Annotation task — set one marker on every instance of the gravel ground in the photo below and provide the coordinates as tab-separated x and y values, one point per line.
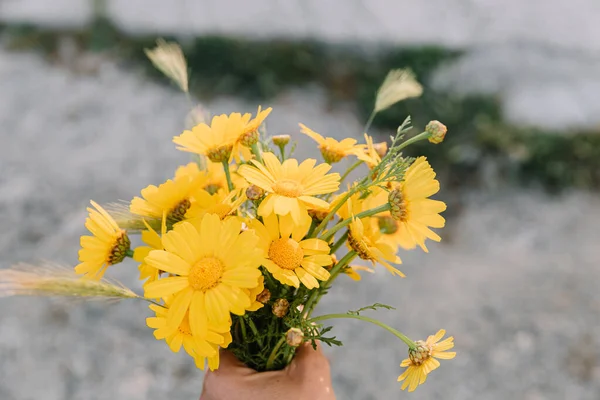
515	280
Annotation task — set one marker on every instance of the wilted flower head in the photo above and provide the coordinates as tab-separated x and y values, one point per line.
294	337
280	307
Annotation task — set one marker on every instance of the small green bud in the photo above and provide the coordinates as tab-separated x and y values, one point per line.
437	130
281	140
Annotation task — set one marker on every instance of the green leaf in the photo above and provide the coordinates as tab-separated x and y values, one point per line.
371	307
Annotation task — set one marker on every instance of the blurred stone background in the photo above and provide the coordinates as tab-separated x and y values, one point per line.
516	277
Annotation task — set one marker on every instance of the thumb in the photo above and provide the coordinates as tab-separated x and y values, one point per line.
310	360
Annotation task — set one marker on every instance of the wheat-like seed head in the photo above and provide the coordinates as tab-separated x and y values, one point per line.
168	58
50	280
399	84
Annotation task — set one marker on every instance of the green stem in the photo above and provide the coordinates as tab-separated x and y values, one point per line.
152	301
398	334
256	152
345	175
243	328
414	139
329	234
352	168
129	253
316	295
254	330
369	121
339	243
273	356
313	225
282	151
227	175
331	213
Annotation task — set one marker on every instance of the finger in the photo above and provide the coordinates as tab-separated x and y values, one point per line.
310	359
228	361
230	373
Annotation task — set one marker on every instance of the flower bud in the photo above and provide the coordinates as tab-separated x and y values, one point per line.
387	225
280	307
294	337
419	354
254	192
398	209
281	140
437	130
264	296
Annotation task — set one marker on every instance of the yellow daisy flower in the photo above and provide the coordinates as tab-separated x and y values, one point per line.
332	150
154	242
291	187
173	197
352	271
220	203
290	259
212	178
249	135
367	243
422	360
414	212
108	246
215	141
253	295
369	153
354	205
197	347
213	263
213	361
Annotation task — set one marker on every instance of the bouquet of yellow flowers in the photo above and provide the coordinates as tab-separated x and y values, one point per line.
240	245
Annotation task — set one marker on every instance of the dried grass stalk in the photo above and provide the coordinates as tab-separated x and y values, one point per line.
168	58
399	84
49	280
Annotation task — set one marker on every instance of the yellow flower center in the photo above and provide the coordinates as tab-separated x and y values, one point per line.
205	274
119	249
288	188
360	247
178	212
420	354
184	327
286	253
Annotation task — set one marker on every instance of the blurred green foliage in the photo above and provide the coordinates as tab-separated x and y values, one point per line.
477	134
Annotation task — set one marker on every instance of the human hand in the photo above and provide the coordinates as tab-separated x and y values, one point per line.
307	377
